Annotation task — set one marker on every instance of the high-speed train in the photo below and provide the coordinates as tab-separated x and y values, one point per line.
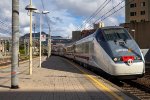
111	49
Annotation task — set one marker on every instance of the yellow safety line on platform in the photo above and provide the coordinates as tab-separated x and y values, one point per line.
98	83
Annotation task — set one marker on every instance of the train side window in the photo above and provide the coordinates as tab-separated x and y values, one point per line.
100	36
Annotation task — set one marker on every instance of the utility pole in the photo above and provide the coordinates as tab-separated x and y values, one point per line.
5	47
49	43
25	48
30	58
15	44
34	39
9	46
40	36
41	13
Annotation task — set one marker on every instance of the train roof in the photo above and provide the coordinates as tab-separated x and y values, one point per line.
108	27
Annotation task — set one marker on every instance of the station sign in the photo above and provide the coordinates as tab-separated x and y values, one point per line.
43	37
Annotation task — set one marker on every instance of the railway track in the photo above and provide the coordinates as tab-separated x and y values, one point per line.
140	91
139	88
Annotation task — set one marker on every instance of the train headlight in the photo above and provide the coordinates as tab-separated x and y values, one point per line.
138	58
115	59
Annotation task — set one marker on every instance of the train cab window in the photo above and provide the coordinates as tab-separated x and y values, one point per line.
116	34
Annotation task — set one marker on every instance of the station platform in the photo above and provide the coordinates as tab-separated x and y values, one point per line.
58	79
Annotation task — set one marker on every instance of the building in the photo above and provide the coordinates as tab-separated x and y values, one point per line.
35	37
24	42
59	40
137	17
5	45
76	35
137	10
98	25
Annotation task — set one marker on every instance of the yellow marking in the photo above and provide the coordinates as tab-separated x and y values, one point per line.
129	50
98	84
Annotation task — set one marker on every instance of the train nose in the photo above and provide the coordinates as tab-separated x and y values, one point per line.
128	59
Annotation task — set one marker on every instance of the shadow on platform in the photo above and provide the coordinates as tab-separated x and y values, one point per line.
3	86
51	95
59	63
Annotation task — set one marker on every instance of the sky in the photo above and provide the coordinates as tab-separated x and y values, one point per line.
65	15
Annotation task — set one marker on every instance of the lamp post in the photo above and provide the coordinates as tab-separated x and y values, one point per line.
49	43
30	8
42	12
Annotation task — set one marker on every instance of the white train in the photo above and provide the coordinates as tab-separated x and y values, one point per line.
111	49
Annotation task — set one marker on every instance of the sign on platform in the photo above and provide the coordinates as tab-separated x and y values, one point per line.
43	37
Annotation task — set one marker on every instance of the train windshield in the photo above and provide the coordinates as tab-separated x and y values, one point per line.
116	34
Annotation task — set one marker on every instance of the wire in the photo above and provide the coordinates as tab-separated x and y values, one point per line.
99	9
117	10
5	28
91	16
109	11
47	18
102	8
114	11
6	25
43	4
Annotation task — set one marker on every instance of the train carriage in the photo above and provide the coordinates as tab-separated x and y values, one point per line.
111	49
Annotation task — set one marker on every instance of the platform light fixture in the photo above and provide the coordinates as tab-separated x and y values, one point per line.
40	12
30	9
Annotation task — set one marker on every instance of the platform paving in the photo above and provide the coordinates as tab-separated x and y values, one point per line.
56	80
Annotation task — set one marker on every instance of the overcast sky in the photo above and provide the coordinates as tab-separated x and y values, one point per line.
65	15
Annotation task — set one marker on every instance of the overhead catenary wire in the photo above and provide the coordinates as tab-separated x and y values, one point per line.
43	4
47	18
110	10
117	10
103	18
100	8
4	24
4	28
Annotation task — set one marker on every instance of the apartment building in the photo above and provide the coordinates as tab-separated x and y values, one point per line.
137	10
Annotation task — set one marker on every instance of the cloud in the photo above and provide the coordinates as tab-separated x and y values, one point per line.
85	7
64	16
58	19
111	21
25	19
26	29
77	7
68	12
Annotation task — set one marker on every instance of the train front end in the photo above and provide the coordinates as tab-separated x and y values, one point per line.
127	61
